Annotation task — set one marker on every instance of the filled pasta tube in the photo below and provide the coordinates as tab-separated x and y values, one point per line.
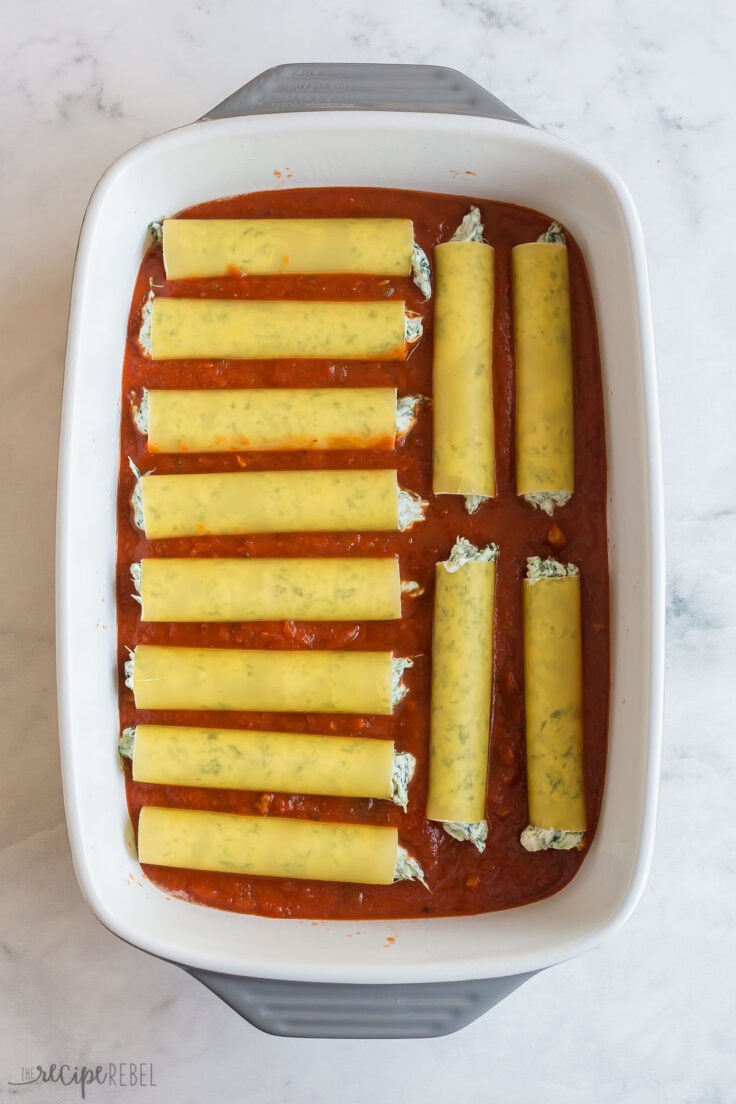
265	681
270	247
284	762
259	329
283	419
462	671
269	589
275	847
222	503
464	452
554	706
545	432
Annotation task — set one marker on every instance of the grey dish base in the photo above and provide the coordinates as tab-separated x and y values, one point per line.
326	1011
304	1010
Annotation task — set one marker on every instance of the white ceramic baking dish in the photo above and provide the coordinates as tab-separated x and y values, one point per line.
425	148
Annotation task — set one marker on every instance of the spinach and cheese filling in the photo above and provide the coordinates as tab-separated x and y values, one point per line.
553	692
462	665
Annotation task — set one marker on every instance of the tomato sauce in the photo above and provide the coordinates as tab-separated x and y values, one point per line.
461	880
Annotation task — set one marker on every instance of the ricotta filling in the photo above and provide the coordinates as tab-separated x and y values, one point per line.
553	235
464	551
413	328
546	839
401	776
407	410
475	833
411	509
156	230
144	335
473	503
538	569
137	497
140	417
470	229
126	745
398	689
411	588
407	868
136	575
547	500
129	669
420	273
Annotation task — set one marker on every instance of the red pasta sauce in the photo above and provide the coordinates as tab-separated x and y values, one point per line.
461	880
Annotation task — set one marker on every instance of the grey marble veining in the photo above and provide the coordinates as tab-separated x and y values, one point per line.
647	1018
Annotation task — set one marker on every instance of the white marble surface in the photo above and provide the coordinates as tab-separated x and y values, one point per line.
650	87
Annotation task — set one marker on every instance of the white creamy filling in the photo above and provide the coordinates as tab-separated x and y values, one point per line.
398	690
401	776
411	509
129	669
537	569
475	833
141	415
420	271
473	503
136	574
413	328
156	230
144	335
407	408
547	500
407	868
412	588
464	551
553	235
126	745
545	839
470	229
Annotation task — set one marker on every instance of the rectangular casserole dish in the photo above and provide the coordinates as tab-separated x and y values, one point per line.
428	150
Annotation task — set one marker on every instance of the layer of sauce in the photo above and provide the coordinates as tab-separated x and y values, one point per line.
461	880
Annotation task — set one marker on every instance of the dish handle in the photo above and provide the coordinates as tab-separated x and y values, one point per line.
305	1010
360	86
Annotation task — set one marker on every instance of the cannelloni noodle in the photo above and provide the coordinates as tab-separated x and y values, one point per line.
263	681
272	419
553	683
463	460
269	589
256	329
462	665
545	436
219	503
220	247
285	762
273	847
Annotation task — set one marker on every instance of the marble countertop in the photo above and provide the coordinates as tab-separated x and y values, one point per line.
645	1018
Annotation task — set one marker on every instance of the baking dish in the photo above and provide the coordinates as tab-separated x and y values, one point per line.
389	126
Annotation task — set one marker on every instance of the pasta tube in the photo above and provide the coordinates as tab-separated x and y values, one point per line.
273	847
545	433
464	460
265	247
285	762
554	706
265	589
462	666
258	329
283	419
223	503
265	681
